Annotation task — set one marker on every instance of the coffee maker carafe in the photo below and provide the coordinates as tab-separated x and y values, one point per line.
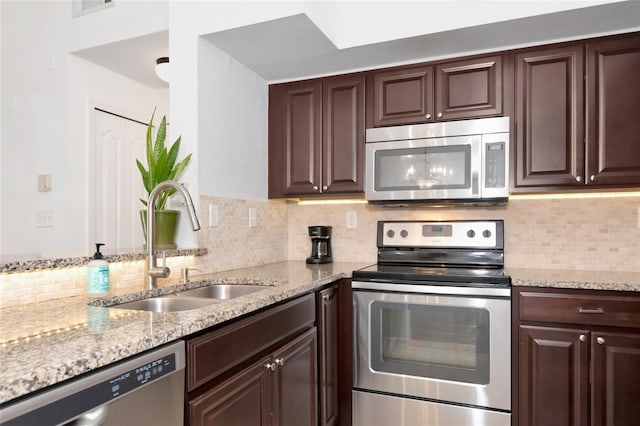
320	244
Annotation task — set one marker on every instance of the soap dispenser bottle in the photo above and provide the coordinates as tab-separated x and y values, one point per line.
98	274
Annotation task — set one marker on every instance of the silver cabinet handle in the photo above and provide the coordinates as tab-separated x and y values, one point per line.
593	178
583	337
325	187
279	361
600	340
325	296
315	187
427	116
439	115
270	366
590	310
578	178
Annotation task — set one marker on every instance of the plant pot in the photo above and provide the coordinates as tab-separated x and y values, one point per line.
165	228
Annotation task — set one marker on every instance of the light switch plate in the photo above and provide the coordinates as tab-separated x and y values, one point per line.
214	215
252	217
44	218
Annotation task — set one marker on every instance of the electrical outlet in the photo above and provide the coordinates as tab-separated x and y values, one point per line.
352	219
213	214
252	217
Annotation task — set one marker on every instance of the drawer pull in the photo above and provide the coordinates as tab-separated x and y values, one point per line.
600	341
583	337
590	310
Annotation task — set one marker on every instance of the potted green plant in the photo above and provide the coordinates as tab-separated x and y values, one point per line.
162	165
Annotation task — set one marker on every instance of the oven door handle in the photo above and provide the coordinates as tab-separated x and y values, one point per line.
355	333
466	290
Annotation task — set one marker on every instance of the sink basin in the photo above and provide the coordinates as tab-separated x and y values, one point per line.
222	291
165	304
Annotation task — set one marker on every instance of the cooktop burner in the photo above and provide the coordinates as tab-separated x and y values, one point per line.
462	253
434	274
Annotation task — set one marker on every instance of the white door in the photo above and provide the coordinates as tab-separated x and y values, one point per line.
117	184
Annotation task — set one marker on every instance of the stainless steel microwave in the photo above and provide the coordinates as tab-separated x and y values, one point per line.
448	162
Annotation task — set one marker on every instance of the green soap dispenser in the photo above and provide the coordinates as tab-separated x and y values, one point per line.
98	274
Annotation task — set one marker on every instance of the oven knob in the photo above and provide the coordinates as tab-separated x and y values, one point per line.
471	233
390	233
404	233
486	233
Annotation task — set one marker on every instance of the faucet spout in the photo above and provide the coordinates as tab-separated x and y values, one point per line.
155	271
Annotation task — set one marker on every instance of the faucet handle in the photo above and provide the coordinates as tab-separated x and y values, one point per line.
185	274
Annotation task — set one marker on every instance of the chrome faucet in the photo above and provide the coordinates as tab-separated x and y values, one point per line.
154	270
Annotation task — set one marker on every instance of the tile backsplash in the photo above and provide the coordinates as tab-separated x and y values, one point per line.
576	234
598	234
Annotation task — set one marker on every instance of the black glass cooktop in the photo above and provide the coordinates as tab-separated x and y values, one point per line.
466	276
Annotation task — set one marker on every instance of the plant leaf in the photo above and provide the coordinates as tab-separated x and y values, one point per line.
177	171
160	138
173	154
149	147
145	176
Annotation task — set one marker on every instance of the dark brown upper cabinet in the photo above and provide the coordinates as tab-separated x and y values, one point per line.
316	137
549	117
407	95
577	115
401	96
613	111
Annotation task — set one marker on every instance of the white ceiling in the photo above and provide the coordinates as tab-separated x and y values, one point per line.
294	48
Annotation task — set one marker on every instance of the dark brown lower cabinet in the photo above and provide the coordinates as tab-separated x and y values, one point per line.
578	357
327	312
294	390
616	376
242	400
257	371
554	375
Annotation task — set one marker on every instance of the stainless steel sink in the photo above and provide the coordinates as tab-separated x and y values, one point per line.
166	304
222	291
191	299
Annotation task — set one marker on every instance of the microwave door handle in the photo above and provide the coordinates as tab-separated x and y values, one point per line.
475	184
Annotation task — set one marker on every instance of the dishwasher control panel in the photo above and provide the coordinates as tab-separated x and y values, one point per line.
140	376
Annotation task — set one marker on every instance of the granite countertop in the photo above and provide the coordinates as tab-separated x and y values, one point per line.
46	343
585	280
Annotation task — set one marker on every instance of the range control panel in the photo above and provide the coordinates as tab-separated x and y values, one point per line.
463	234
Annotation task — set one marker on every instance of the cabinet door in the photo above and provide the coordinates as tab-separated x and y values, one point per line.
295	382
401	96
549	118
469	89
553	377
327	309
343	134
302	137
613	111
243	400
616	380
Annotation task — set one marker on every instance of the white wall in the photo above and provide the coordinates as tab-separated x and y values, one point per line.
357	23
48	132
232	141
125	19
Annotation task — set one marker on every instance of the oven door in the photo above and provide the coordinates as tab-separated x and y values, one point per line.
423	169
450	344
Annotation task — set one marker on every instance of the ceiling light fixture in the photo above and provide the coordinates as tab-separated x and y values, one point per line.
163	68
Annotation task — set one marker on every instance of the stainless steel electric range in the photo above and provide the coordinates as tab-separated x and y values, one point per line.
432	327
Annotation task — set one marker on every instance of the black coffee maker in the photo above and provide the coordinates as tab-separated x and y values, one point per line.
320	244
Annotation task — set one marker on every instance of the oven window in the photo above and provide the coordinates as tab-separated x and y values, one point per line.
441	342
438	167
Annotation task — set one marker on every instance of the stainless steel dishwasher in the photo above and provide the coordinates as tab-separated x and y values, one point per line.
147	389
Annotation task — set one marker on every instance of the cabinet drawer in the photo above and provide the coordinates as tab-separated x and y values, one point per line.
605	310
213	353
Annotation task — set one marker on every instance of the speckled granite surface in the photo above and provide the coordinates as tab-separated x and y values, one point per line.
64	262
594	280
46	343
